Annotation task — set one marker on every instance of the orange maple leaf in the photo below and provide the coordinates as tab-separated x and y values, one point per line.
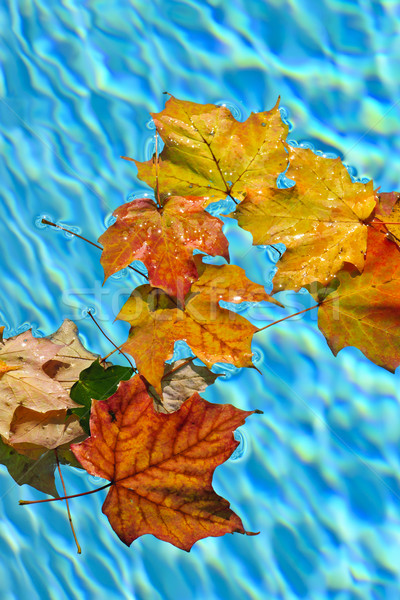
164	239
215	334
364	311
161	466
209	153
321	220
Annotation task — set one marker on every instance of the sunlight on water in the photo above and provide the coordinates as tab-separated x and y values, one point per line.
317	473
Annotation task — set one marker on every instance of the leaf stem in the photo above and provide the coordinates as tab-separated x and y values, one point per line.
110	340
79	550
46	222
103	487
290	316
189	360
108	355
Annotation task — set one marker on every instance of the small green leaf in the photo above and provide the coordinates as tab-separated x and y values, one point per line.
96	383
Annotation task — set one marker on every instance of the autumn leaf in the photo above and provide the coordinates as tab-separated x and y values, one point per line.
208	153
385	202
229	283
31	432
321	220
161	466
364	310
23	381
96	383
213	333
181	380
71	358
388	211
37	472
164	239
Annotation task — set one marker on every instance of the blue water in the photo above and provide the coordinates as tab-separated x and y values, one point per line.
318	472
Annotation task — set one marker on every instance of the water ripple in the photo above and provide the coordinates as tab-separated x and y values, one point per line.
77	84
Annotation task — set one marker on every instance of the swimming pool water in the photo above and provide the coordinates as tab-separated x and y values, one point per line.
318	472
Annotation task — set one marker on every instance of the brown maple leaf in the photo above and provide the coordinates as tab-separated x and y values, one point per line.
161	466
31	432
23	383
213	333
208	153
72	357
321	220
364	310
181	380
164	240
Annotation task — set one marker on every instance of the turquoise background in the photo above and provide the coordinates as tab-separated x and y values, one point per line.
318	472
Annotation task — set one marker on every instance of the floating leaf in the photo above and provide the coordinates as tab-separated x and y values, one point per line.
161	466
31	432
181	380
164	239
96	383
320	220
208	153
23	381
388	210
364	311
214	334
71	358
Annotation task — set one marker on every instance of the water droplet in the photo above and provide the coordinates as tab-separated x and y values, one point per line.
109	220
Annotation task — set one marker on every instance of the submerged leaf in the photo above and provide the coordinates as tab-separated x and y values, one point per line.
320	220
38	472
161	466
208	153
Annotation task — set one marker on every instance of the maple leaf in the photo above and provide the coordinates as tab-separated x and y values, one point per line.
320	220
38	472
23	381
161	466
208	153
31	432
163	239
213	333
388	210
385	202
71	358
96	383
181	380
363	311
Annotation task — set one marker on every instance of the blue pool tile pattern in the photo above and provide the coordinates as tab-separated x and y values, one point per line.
318	473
